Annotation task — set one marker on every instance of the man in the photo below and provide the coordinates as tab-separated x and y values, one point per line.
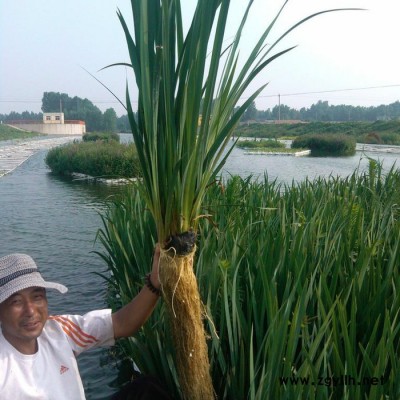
37	351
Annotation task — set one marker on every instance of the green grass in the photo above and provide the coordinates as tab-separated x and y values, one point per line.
266	146
8	133
97	159
298	281
100	136
260	144
274	150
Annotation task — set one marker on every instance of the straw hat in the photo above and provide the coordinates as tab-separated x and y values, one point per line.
18	272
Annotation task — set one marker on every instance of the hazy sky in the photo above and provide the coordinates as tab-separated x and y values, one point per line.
45	44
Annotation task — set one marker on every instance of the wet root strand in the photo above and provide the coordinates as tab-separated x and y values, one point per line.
182	298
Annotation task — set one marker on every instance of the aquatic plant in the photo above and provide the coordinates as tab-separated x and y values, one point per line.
326	144
98	159
189	84
301	282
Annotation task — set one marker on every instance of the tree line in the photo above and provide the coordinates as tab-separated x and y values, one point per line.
76	108
323	111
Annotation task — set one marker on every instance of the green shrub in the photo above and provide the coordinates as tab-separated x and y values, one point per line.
100	136
298	281
327	144
97	159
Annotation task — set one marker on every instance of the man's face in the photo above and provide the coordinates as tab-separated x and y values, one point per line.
22	318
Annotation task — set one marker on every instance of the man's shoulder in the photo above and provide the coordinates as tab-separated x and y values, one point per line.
53	328
62	324
55	321
82	331
72	321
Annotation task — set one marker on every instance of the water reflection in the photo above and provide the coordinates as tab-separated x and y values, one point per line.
97	192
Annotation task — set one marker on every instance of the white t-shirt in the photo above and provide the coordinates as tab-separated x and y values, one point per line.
52	373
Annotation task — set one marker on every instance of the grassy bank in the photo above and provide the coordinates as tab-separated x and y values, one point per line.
379	132
8	133
299	282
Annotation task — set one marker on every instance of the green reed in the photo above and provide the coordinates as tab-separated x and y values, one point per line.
298	281
107	159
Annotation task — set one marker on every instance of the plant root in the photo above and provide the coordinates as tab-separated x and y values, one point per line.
182	298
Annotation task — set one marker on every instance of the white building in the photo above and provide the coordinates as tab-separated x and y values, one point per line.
53	118
53	124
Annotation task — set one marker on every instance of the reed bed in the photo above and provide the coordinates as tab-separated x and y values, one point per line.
300	284
100	159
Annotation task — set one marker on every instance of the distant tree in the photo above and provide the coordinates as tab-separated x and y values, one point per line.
110	120
123	124
284	112
394	110
74	108
250	113
264	115
14	116
321	111
54	101
94	120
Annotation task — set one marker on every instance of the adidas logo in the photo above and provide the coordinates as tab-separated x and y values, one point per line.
63	369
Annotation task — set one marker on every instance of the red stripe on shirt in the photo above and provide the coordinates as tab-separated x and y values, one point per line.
74	331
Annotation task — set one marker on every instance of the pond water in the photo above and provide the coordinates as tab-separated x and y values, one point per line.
286	168
56	220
